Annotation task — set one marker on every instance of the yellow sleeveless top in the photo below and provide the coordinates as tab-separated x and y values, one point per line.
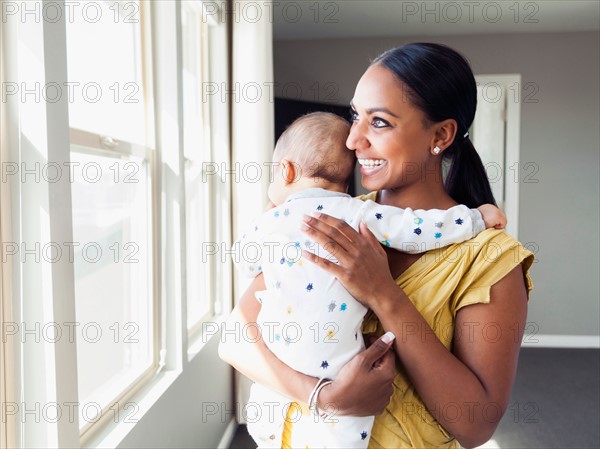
439	284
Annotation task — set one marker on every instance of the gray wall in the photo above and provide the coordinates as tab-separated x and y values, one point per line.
194	411
559	214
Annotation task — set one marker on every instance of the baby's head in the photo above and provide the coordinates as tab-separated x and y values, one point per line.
312	152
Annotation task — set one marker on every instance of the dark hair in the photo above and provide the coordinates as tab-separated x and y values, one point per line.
440	82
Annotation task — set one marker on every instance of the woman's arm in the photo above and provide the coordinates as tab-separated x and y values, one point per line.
242	347
478	375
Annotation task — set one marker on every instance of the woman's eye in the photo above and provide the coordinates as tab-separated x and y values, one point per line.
353	115
379	123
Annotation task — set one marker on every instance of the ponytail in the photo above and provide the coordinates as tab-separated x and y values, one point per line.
467	182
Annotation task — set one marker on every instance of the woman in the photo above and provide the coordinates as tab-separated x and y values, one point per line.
458	313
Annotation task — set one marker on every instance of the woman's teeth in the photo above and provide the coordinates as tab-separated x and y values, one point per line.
371	163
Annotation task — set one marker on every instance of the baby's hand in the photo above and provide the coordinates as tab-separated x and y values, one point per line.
492	216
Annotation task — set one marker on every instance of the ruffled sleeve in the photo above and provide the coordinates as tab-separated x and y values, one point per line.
490	257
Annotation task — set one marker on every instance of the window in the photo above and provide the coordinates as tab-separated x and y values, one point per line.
8	344
113	166
93	288
3	390
7	349
205	152
196	151
106	72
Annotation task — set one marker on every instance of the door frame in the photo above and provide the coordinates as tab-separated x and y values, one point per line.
512	146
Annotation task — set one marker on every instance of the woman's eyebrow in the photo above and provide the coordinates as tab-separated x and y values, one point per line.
376	109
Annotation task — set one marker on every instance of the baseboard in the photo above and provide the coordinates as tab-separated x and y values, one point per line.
228	435
561	341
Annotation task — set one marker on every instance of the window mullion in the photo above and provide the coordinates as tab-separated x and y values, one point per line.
170	167
9	232
47	281
61	230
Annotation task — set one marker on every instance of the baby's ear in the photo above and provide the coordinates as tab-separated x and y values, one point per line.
290	171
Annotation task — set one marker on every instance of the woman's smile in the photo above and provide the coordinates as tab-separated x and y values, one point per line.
371	166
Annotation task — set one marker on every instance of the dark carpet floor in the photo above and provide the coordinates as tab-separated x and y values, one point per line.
555	403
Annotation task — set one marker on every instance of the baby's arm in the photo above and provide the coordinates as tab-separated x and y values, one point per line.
421	230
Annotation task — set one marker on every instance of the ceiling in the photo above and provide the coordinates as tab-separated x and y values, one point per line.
323	19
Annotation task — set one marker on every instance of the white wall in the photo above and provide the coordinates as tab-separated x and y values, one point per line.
559	213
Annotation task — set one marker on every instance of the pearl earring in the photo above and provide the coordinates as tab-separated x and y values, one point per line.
436	150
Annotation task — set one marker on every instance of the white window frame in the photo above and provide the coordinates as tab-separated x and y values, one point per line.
21	283
37	212
6	359
195	329
90	143
221	289
93	143
8	386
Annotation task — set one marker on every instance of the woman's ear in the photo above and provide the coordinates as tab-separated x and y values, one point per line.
288	171
444	134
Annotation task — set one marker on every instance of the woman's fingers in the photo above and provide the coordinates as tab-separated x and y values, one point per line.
332	267
375	381
371	239
379	348
358	256
334	227
331	233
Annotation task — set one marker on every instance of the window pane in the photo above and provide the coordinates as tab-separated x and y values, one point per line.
193	102
198	287
196	148
113	284
106	92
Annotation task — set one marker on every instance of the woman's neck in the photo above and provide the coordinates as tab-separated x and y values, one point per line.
417	196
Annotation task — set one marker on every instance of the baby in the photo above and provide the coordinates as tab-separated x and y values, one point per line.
307	318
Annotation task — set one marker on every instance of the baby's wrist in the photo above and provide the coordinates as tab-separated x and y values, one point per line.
478	220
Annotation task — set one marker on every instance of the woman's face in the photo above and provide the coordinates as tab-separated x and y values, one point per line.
388	133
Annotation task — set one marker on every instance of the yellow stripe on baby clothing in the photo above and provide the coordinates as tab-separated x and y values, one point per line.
295	409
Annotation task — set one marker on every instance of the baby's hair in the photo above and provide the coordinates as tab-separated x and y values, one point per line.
316	143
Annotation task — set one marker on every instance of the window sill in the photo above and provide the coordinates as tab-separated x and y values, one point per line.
112	435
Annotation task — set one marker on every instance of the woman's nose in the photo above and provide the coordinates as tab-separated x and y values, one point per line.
356	139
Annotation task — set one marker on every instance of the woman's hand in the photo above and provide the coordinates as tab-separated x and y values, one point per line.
363	386
362	263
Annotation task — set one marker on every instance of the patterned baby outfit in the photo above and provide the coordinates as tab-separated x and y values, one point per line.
307	318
